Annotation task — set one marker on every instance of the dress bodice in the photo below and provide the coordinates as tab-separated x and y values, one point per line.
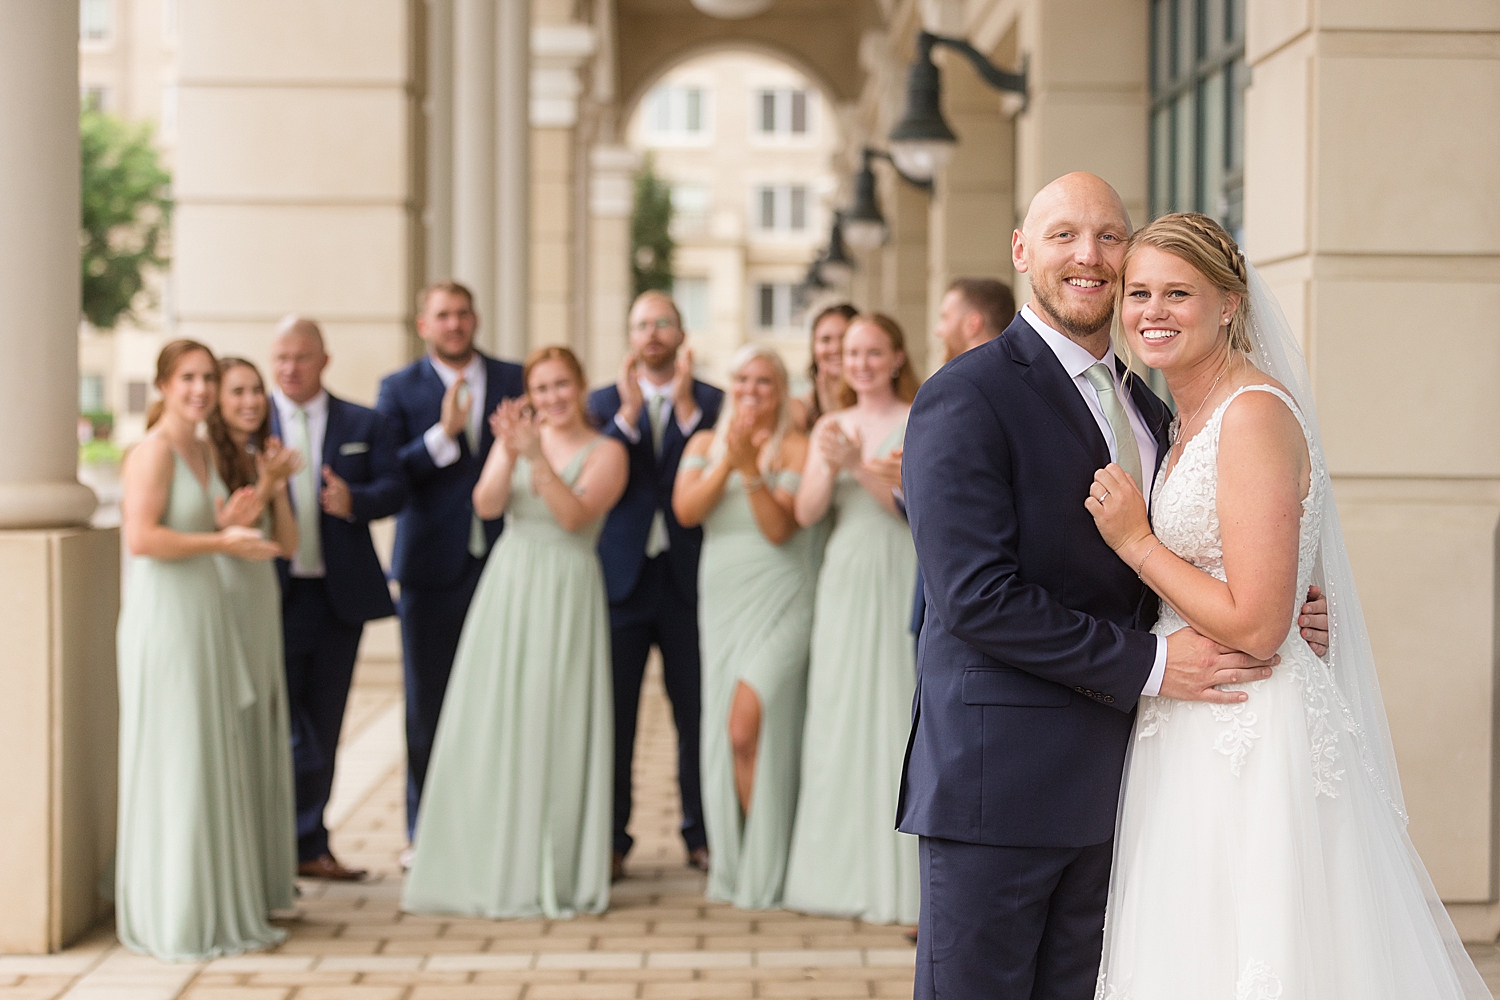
189	507
528	512
1185	512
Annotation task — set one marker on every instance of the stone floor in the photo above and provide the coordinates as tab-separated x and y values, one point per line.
660	939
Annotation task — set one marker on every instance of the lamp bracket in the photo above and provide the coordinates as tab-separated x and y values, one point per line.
881	154
996	77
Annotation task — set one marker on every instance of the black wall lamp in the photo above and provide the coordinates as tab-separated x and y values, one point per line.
864	224
835	265
922	143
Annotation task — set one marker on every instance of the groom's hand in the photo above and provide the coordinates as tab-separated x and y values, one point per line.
1196	665
1313	618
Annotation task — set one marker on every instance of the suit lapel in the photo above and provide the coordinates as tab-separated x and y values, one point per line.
494	392
1047	376
332	433
1153	411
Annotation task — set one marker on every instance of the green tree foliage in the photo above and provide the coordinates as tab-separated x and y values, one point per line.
127	207
650	232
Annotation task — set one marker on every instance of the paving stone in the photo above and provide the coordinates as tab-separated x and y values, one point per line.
237	993
808	958
813	988
351	993
697	991
581	991
591	960
472	991
471	962
699	959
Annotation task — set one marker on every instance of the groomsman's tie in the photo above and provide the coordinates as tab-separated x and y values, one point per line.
305	494
1127	452
476	526
656	412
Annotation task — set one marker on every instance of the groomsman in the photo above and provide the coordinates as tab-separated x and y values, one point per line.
651	561
334	583
438	409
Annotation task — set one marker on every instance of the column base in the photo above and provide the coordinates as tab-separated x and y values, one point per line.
45	505
60	591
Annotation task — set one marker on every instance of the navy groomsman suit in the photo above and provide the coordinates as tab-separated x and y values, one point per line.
653	598
440	547
325	605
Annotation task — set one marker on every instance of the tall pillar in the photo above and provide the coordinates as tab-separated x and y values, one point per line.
474	153
438	136
512	321
904	280
1372	199
59	581
611	198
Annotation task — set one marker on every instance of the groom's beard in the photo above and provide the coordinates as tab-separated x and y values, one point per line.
1078	323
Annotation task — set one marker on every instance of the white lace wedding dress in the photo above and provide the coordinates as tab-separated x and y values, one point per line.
1256	857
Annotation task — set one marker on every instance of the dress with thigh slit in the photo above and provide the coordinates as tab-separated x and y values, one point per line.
755	611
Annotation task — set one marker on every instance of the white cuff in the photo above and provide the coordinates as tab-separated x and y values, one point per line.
688	426
632	434
1158	672
442	449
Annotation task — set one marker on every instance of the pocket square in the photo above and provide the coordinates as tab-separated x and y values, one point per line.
354	448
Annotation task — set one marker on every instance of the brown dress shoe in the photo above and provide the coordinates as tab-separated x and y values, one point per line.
698	858
326	868
616	867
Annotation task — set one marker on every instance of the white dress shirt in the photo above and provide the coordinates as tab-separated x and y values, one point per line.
317	429
442	449
649	393
1075	361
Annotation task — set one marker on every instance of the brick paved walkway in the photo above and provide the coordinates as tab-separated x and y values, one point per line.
661	939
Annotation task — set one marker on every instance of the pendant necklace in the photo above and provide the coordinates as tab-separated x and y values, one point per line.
1179	444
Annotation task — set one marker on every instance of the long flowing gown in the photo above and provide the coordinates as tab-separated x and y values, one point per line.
254	596
846	857
755	615
189	881
515	816
1255	858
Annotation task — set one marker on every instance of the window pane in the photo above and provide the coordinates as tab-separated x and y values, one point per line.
767	208
1161	42
90	393
94	17
1187	36
768	111
1211	151
1234	157
695	110
1185	128
691	297
1215	33
766	317
799	111
661	111
1161	162
690	199
799	207
1234	21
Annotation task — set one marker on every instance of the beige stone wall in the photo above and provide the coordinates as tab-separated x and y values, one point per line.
1372	208
294	181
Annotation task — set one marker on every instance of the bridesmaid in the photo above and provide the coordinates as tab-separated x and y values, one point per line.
740	481
828	328
515	817
846	858
189	883
246	455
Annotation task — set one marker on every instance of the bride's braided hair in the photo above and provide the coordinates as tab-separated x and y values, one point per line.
1200	241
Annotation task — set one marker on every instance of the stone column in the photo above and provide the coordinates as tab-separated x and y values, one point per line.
904	281
474	152
1372	198
611	197
59	582
511	325
438	139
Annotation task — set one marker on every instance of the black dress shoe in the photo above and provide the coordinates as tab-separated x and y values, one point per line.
698	858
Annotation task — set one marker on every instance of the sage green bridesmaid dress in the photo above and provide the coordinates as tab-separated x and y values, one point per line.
254	597
847	859
755	616
189	882
515	818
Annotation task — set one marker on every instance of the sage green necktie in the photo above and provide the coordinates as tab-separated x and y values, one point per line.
1127	452
305	495
657	540
478	544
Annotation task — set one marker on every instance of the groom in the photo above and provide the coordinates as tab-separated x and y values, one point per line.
1033	653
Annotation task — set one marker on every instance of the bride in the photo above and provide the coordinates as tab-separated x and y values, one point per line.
1261	849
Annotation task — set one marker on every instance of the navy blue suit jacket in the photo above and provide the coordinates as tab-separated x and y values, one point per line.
432	533
622	545
1031	658
360	450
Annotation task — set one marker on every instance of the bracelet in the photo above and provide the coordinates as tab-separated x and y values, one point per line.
1141	568
751	485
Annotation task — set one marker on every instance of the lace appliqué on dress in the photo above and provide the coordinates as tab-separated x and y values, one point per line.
1257	983
1104	991
1235	742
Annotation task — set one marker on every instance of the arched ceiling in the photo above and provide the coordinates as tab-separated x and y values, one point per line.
820	37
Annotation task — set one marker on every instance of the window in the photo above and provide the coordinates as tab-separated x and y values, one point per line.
135	397
678	113
96	20
780	208
691	296
96	96
776	307
1198	80
783	112
691	199
90	394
